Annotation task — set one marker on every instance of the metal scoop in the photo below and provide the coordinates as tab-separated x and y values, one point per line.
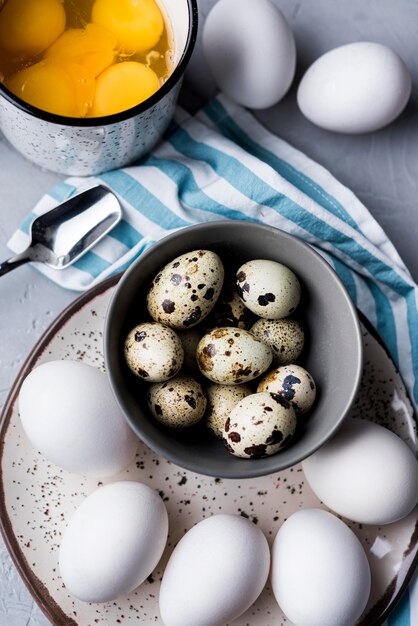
62	235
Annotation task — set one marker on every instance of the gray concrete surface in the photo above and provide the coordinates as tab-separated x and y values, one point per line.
381	168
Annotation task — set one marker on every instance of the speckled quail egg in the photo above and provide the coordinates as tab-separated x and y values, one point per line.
260	425
189	340
231	356
153	352
269	289
230	309
293	383
285	337
178	403
221	400
185	290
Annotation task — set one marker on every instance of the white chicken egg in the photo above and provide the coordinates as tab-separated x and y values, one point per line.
153	352
366	473
69	414
113	541
356	88
231	356
185	290
259	425
320	574
215	573
294	384
250	50
269	289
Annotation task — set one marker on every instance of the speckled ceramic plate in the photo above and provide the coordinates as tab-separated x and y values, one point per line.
37	498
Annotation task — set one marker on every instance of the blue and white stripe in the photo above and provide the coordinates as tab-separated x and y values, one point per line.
222	164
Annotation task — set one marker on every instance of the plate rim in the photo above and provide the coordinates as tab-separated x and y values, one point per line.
36	588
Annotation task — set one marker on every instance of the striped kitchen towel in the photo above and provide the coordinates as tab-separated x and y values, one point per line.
222	164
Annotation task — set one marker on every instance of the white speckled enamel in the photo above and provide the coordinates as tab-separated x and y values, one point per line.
39	498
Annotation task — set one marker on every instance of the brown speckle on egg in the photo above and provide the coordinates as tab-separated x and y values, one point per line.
176	279
193	318
209	294
239	371
264	300
168	306
190	401
219	333
209	350
275	437
279	399
255	452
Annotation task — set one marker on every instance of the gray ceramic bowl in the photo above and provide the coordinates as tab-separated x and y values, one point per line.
333	351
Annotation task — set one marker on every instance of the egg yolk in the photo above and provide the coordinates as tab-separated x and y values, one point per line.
92	47
30	26
123	86
137	24
51	87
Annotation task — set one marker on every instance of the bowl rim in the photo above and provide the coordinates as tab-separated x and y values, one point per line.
142	107
259	468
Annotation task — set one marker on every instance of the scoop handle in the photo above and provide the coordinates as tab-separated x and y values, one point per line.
15	261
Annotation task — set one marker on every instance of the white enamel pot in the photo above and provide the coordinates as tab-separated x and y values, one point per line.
86	146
